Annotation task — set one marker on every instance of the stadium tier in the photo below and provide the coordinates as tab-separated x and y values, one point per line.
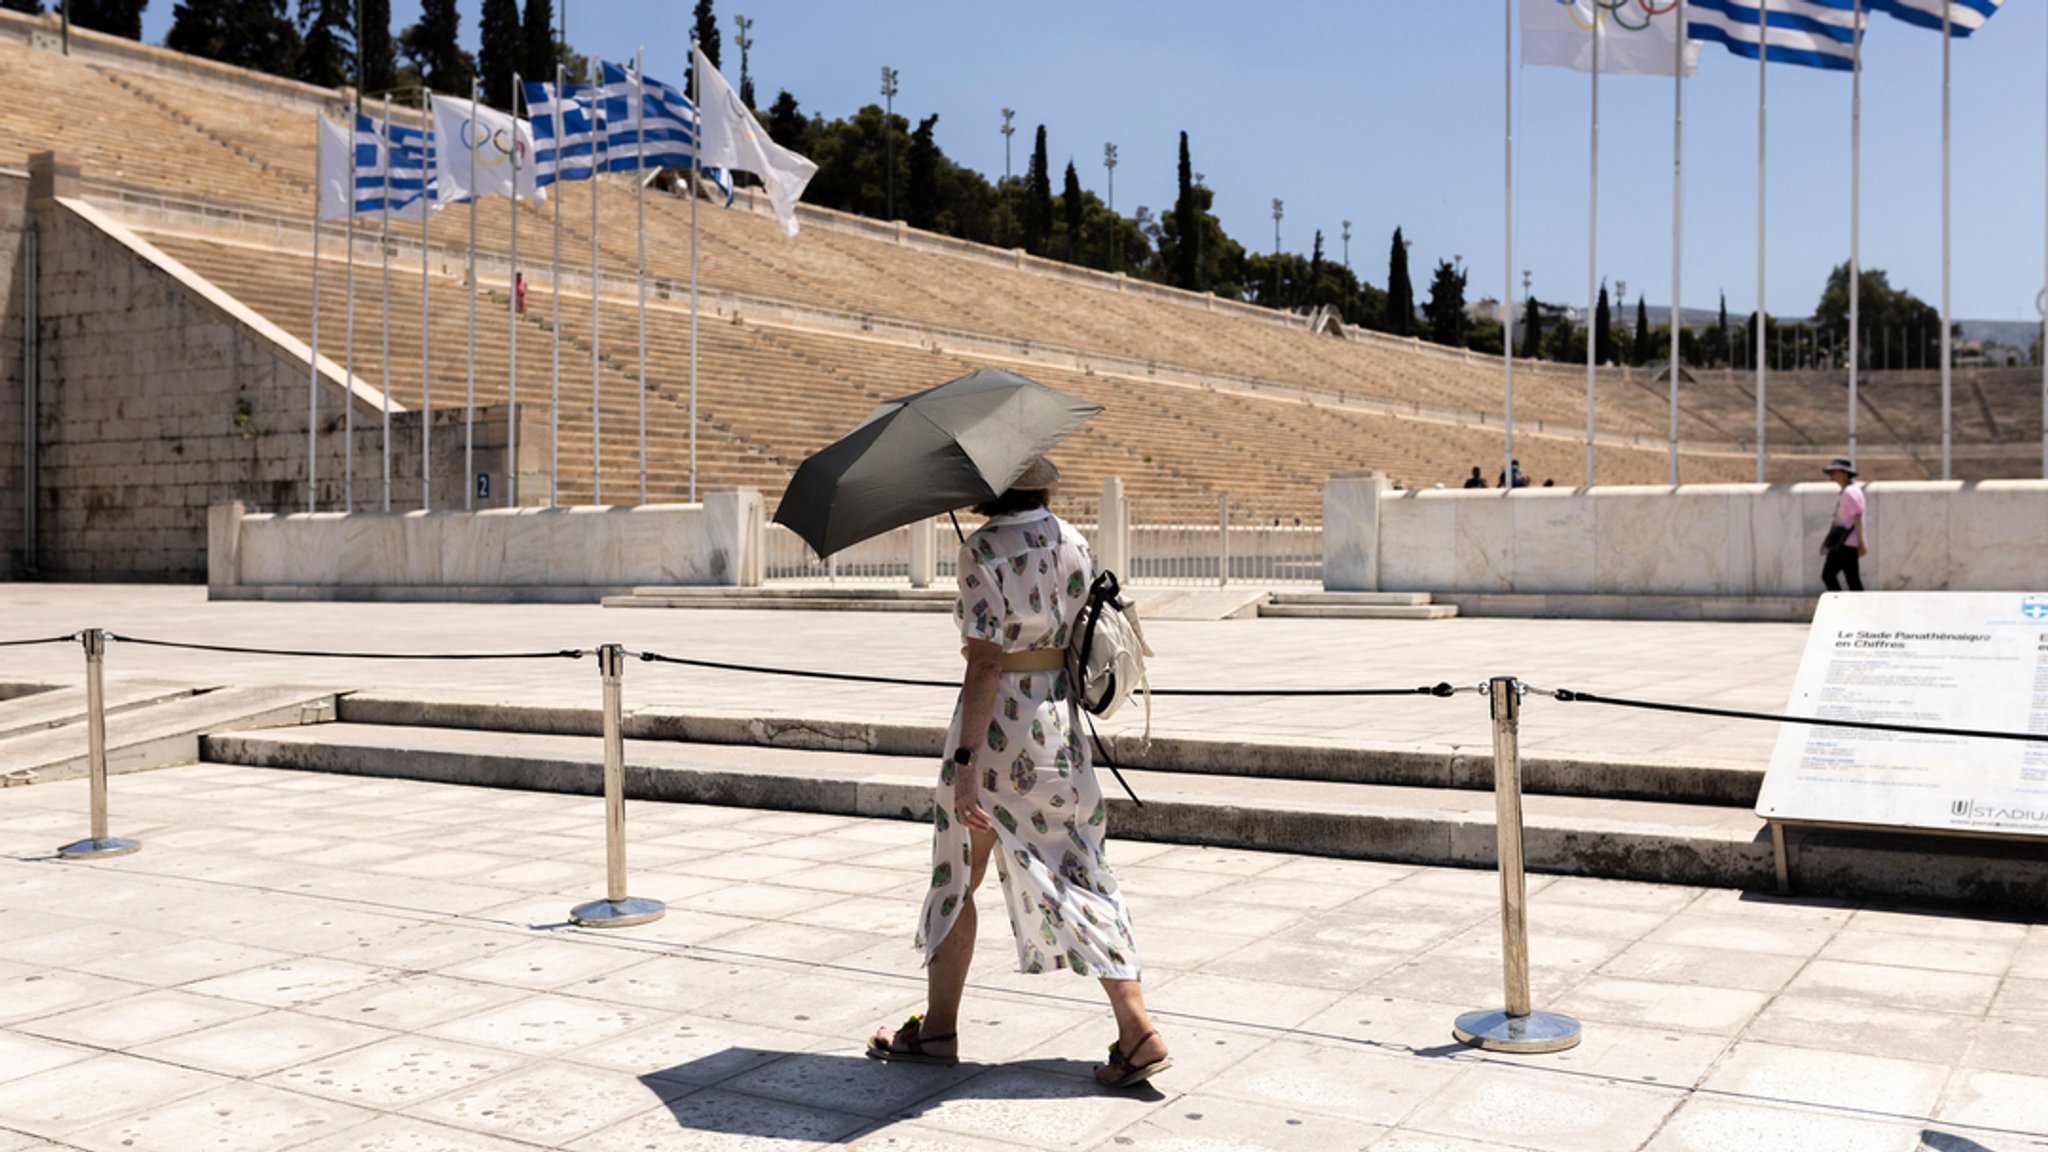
800	338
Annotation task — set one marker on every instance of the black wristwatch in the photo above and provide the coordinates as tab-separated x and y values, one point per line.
963	756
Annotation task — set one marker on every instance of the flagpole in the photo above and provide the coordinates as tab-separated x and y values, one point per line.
2041	306
1507	199
348	403
426	316
384	150
1763	51
1855	211
555	291
696	140
512	327
596	318
1592	254
313	370
1677	217
469	391
1947	391
640	206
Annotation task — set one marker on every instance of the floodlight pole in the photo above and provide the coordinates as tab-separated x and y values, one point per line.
889	89
1009	130
1109	162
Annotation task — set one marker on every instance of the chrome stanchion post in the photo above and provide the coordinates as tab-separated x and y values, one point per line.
99	843
616	910
1518	1028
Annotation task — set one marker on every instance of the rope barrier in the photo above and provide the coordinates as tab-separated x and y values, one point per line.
42	640
1568	696
237	650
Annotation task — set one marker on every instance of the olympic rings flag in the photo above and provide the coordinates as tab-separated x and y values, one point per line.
1635	35
503	147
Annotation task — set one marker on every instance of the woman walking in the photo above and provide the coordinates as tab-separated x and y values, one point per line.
1018	788
1844	546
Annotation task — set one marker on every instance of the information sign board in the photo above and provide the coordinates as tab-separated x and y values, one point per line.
1975	660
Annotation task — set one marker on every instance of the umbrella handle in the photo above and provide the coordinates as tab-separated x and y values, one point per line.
956	527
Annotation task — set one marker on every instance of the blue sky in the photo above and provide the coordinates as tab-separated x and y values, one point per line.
1390	113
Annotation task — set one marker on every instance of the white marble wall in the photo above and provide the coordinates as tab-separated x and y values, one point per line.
562	550
1724	540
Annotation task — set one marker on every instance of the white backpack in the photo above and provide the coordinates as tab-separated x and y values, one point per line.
1106	654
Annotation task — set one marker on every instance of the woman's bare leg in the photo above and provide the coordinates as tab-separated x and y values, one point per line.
945	977
1135	1036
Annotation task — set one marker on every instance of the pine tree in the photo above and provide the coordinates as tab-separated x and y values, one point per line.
1603	330
1038	199
1644	350
434	46
373	43
537	42
1532	330
1186	259
114	17
501	45
1400	292
1070	200
328	57
32	7
786	123
257	34
1446	308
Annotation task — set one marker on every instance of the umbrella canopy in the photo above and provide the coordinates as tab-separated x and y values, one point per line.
947	447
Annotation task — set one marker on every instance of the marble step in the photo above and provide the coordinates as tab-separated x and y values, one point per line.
163	733
1320	611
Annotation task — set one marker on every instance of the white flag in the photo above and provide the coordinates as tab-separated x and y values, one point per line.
1633	38
332	159
734	140
502	146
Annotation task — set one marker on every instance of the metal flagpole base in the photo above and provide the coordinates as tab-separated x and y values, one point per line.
617	913
1496	1031
92	849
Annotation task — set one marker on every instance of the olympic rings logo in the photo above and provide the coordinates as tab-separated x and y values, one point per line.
1623	12
495	146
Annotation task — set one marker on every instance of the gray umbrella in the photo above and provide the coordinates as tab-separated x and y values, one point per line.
947	447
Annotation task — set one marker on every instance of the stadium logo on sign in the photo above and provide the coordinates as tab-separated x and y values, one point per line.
2035	607
1998	815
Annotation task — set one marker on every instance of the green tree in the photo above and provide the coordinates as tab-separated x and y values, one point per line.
704	27
1882	313
32	7
923	207
1074	209
539	49
1187	251
1532	329
1645	351
1446	308
433	47
1566	342
1400	292
379	65
114	17
1038	199
786	123
256	34
328	55
501	46
1312	291
1603	329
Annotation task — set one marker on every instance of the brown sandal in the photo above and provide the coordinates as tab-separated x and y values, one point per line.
912	1043
1131	1075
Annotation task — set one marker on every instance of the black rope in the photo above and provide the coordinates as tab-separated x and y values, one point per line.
558	654
1568	696
44	640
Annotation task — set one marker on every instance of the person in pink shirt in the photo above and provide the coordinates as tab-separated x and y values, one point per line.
1844	546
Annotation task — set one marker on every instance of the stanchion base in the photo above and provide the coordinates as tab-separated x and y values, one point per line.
1496	1031
617	913
93	849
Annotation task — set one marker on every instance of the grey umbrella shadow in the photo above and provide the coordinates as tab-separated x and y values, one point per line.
838	1097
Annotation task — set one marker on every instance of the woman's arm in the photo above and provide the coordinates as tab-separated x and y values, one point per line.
978	689
1862	539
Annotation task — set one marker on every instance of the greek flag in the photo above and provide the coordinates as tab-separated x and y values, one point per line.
391	169
1810	33
669	122
1965	16
567	156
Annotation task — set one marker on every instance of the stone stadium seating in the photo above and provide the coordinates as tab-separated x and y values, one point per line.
1201	398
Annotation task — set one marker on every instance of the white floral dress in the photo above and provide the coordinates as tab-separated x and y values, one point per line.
1023	581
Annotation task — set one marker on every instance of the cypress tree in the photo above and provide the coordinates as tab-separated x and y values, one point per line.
704	26
1643	348
501	45
1038	199
32	7
1400	292
1532	330
373	41
1315	271
1186	251
257	34
1603	330
114	17
328	57
923	208
1070	200
537	35
434	46
1724	326
786	123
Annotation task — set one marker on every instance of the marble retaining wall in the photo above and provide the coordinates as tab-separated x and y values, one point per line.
523	554
1701	541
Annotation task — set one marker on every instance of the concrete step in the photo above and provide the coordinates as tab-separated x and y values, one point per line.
1360	611
805	597
1619	839
66	705
159	734
1390	599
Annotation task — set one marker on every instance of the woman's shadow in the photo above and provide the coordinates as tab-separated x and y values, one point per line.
742	1091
